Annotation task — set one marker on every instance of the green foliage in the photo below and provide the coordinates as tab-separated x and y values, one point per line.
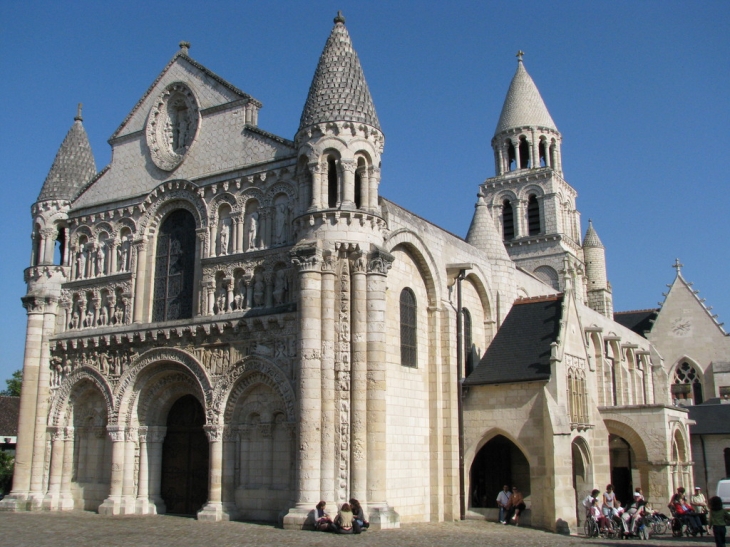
14	383
7	463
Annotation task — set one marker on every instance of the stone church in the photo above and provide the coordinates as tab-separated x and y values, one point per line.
228	323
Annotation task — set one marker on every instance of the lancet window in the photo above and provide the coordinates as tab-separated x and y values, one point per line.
533	215
174	268
508	220
408	328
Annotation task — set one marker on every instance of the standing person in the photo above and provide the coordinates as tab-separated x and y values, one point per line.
588	502
515	506
609	501
719	519
357	512
502	502
699	506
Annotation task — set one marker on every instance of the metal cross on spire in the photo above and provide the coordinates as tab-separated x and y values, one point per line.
519	55
678	265
78	117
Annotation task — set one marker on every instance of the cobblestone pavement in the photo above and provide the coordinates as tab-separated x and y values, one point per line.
80	529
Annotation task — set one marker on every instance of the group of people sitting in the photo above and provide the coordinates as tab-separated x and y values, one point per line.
610	511
350	519
694	512
511	505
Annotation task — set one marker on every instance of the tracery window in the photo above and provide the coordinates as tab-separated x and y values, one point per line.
577	394
408	326
687	384
174	268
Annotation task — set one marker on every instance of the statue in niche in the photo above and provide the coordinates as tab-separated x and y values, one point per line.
103	316
281	286
75	318
81	265
220	300
101	261
225	230
104	362
89	318
118	315
280	223
253	228
123	255
258	290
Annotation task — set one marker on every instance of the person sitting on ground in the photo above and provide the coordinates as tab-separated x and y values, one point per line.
322	520
502	502
609	501
345	521
357	512
515	506
719	519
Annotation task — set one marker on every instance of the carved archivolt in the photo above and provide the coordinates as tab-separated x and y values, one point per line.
154	400
166	198
62	397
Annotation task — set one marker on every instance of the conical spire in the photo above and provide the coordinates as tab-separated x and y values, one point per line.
483	234
524	105
339	91
73	167
591	239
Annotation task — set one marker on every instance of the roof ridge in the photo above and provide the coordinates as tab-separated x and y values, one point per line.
636	311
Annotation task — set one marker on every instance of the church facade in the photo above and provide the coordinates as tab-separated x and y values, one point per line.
232	324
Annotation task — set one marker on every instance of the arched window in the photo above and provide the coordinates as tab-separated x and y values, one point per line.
331	183
524	154
408	339
543	153
533	215
511	157
687	384
174	267
468	353
508	220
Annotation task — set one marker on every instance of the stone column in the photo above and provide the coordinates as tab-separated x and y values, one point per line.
364	187
67	469
230	436
309	392
48	240
267	453
113	504
155	436
37	485
348	167
269	289
143	505
327	477
381	515
316	171
373	181
128	490
52	499
215	509
140	281
212	240
244	433
359	383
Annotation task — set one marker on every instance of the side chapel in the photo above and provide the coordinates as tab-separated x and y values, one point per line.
231	324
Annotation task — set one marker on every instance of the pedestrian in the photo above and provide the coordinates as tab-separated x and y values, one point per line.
699	506
588	502
719	519
515	507
502	502
609	501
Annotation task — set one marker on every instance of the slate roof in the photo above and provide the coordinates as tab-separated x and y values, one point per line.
483	233
524	105
639	321
9	413
73	167
712	417
339	91
592	239
521	350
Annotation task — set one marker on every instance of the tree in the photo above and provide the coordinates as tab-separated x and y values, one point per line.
7	463
14	383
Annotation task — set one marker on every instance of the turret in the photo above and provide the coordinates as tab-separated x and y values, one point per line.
483	233
526	136
72	169
339	137
598	288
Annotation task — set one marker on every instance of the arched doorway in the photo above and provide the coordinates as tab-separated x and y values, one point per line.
622	462
499	462
184	479
582	474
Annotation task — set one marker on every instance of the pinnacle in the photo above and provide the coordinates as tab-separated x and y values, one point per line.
591	239
339	91
523	105
483	233
73	166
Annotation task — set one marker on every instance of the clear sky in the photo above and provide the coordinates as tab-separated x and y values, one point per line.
639	91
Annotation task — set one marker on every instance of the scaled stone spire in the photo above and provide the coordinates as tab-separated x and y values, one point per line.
339	91
524	105
592	239
483	233
73	167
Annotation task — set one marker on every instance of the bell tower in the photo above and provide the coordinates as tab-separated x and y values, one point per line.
532	205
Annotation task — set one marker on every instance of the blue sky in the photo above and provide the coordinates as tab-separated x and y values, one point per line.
639	91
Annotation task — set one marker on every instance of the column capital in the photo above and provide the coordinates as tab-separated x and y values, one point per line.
116	432
348	164
380	261
33	304
305	257
214	432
